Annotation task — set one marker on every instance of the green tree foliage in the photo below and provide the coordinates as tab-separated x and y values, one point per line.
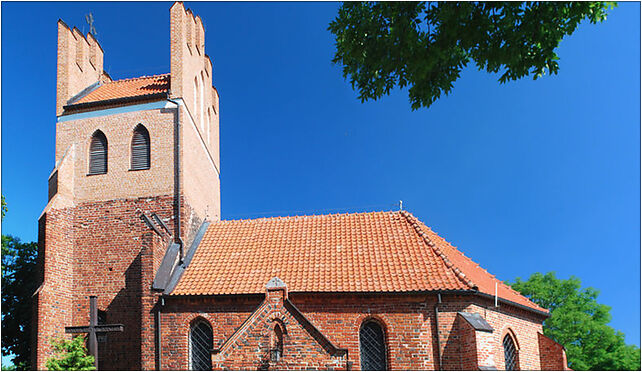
4	207
10	367
71	356
18	285
579	323
425	45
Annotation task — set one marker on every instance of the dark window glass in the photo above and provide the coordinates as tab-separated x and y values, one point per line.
510	354
140	148
98	153
276	351
373	347
201	344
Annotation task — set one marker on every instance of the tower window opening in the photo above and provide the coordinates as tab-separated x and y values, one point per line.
98	153
140	149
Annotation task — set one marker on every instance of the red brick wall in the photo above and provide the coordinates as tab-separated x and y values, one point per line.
485	349
467	339
552	354
52	303
115	255
225	314
103	249
408	320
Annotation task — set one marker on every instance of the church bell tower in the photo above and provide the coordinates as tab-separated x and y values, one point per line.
136	171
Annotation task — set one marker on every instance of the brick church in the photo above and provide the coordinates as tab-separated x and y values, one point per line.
133	218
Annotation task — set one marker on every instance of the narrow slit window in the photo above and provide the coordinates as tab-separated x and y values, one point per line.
140	148
276	347
98	153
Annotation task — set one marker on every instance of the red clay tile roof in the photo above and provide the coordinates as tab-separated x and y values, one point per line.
127	88
361	252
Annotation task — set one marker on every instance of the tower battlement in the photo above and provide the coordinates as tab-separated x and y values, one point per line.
191	68
80	64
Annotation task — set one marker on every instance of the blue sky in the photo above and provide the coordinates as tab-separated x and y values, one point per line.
523	177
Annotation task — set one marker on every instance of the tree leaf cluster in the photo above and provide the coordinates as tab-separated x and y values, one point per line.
18	284
71	356
579	323
426	45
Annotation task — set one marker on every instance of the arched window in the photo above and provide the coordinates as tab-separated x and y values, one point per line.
201	342
510	353
195	99
373	347
209	123
276	344
140	148
98	153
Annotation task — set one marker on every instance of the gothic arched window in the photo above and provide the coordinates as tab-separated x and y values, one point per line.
510	353
195	99
373	347
140	148
98	153
276	344
201	342
201	103
209	123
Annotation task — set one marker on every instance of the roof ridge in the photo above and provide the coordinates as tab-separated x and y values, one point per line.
137	78
414	223
306	215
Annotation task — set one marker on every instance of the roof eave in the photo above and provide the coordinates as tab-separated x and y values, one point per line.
545	314
115	101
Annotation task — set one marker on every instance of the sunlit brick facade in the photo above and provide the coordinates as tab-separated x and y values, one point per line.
339	292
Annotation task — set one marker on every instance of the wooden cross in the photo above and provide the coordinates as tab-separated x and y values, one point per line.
94	328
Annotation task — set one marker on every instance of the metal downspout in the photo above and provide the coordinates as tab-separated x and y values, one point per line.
438	333
177	180
159	352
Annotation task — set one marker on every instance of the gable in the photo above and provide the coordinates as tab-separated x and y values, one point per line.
303	345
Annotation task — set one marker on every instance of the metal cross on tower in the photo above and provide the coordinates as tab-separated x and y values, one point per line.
94	328
90	20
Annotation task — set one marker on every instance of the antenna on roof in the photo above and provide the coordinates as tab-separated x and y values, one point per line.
90	20
400	205
495	294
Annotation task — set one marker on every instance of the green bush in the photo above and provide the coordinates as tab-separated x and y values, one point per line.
71	355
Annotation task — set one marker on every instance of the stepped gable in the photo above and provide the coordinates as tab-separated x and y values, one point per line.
141	87
358	252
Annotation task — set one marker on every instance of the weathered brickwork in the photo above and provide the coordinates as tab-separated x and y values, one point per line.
120	181
469	353
53	299
408	320
552	354
199	172
80	64
225	315
93	240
